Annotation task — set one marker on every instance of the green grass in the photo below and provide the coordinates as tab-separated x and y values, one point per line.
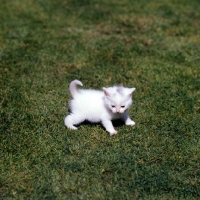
151	45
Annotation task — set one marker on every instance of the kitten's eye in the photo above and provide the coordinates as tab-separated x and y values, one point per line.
113	106
122	106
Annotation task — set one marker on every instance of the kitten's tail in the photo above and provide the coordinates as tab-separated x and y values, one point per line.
72	87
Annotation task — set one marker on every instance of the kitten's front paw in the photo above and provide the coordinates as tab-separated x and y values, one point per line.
113	133
130	123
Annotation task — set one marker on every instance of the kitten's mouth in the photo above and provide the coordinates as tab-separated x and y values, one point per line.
117	112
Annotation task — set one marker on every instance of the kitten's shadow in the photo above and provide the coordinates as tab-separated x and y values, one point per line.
116	123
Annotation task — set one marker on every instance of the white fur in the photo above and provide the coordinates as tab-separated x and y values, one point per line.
99	106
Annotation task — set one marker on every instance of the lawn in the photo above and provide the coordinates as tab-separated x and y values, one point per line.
151	45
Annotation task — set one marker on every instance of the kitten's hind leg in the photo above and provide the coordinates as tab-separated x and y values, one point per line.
71	120
128	120
109	127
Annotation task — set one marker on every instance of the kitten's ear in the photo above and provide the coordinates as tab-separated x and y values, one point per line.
131	90
106	92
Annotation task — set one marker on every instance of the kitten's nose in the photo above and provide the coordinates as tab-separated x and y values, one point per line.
118	110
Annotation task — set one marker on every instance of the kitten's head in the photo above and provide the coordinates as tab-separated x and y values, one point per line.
118	98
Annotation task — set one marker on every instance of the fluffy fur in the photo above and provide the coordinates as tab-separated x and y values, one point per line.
99	106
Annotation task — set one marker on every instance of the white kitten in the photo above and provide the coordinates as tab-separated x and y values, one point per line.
99	106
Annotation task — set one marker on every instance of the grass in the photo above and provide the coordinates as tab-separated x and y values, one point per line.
151	45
